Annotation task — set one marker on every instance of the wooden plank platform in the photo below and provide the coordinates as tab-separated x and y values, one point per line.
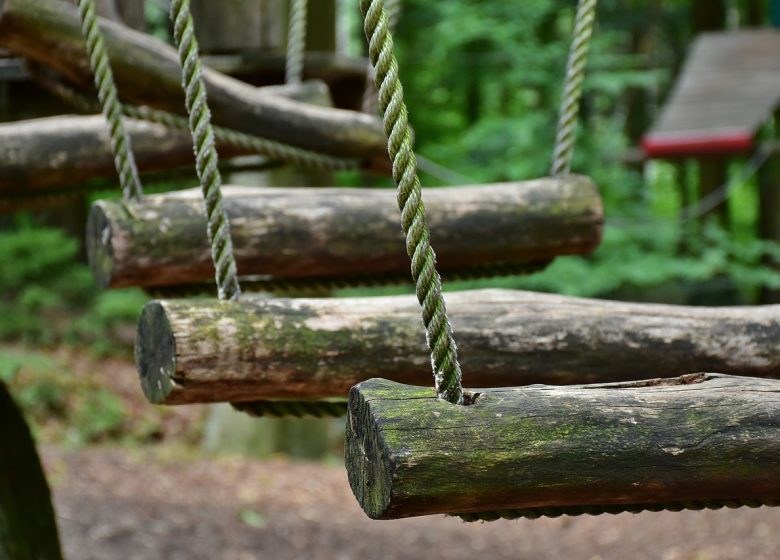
729	86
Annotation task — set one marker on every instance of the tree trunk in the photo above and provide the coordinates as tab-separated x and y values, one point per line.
674	443
340	232
192	351
27	526
147	72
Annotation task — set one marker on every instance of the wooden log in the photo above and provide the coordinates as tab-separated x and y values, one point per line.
191	351
681	442
338	232
147	72
59	151
27	526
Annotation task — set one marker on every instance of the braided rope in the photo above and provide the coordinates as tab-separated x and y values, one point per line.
615	509
444	357
227	136
218	226
393	10
296	42
270	148
572	90
295	409
323	285
109	101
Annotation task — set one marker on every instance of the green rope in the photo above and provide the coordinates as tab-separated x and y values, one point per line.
109	101
444	357
393	10
572	90
295	409
270	148
615	509
227	136
218	226
296	42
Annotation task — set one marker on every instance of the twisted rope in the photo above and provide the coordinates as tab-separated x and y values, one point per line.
536	513
572	89
393	10
444	357
270	148
109	102
206	160
295	409
296	42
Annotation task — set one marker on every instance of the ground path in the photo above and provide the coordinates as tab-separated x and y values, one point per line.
139	504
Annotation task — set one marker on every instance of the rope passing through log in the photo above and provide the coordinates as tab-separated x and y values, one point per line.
695	441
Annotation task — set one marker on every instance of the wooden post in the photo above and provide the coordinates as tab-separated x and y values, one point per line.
191	351
27	526
341	232
679	442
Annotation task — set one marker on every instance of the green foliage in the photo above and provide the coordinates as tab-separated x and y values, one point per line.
50	393
47	296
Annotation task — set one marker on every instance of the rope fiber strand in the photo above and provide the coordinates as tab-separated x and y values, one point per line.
572	88
206	160
444	357
109	102
296	42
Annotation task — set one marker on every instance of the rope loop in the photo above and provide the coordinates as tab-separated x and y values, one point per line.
572	88
109	102
444	356
206	159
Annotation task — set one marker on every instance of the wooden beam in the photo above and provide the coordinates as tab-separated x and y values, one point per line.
340	232
147	72
642	444
54	152
192	351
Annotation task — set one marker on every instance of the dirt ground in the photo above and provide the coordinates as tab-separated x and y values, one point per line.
135	504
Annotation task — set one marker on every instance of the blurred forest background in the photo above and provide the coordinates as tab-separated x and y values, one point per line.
483	83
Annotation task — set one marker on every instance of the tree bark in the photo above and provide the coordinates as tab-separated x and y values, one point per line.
27	526
638	445
192	351
340	232
148	72
55	152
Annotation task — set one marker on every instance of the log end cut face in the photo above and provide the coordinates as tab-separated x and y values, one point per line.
100	249
370	475
155	352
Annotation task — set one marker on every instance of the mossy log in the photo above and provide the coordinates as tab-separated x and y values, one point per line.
191	351
340	232
703	440
27	526
147	72
54	152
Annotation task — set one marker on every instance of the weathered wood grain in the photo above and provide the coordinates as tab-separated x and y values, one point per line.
340	232
59	151
696	438
204	351
147	72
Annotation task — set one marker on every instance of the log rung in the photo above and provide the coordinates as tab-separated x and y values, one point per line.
299	233
700	440
197	351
